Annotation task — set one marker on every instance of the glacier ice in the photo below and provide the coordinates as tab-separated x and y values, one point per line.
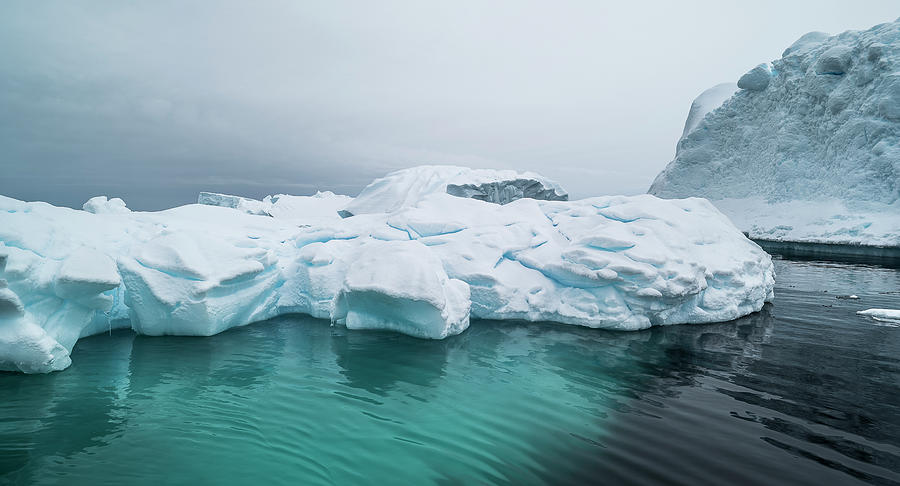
424	267
809	149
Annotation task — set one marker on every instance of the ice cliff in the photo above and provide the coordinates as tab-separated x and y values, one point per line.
416	260
808	148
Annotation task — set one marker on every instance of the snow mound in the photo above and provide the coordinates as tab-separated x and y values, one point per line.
424	269
819	126
406	187
100	204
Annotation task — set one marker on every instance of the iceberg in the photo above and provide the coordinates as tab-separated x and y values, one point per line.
405	187
808	149
424	267
323	204
245	204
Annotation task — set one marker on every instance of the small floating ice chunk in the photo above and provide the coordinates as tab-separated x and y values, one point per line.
884	315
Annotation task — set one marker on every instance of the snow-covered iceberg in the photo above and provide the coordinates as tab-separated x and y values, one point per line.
808	149
323	204
406	187
424	269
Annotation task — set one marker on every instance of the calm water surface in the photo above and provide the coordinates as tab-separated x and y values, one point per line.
805	392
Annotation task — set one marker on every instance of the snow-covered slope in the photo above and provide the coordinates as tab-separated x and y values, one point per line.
809	148
405	187
424	269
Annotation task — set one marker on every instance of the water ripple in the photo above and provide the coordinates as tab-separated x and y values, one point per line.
803	392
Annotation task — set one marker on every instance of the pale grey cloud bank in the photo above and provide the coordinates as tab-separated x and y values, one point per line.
156	101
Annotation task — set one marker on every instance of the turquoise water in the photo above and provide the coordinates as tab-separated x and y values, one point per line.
804	392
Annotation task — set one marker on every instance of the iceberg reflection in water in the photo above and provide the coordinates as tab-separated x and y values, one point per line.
804	391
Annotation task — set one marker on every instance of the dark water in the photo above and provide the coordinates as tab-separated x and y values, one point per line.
805	392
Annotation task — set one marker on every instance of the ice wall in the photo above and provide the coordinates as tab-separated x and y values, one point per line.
817	129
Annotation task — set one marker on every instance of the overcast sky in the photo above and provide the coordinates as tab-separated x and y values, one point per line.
155	101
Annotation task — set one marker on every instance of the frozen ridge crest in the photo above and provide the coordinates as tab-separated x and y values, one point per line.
424	266
808	149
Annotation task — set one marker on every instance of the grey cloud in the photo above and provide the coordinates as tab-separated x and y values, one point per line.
156	101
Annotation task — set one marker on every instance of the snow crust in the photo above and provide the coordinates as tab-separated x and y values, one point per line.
405	187
809	149
424	269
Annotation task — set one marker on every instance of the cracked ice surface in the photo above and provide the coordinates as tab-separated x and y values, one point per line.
424	269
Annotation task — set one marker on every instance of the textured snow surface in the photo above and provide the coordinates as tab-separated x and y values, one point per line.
810	145
424	269
708	101
405	187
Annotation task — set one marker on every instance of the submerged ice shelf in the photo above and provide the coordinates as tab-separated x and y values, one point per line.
424	266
